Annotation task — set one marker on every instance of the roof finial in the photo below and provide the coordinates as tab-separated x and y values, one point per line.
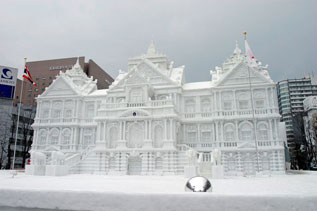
77	63
237	50
151	50
245	35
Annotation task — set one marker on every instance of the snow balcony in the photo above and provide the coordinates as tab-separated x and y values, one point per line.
232	114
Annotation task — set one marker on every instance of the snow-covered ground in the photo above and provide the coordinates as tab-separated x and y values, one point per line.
293	191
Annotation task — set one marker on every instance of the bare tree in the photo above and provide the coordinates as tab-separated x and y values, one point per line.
26	120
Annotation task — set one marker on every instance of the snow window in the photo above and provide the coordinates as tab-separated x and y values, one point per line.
56	113
245	132
45	113
88	139
136	95
42	137
227	105
229	133
263	132
66	137
68	113
90	109
54	137
114	136
206	136
259	104
190	106
205	106
243	104
158	136
191	136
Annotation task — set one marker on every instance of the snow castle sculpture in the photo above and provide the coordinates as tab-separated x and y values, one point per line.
149	117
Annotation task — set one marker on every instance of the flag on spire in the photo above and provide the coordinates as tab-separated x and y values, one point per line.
250	56
27	75
248	50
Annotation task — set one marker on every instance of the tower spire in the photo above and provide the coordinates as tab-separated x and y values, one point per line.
151	50
237	50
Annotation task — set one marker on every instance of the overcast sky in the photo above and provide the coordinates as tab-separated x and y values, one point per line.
197	34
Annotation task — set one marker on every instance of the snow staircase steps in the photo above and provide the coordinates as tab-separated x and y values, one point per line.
89	165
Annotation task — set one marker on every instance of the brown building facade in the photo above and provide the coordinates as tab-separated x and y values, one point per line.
44	72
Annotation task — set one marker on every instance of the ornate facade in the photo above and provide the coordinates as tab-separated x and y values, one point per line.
149	117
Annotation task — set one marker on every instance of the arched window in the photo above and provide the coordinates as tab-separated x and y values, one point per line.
56	110
191	133
136	95
54	136
206	133
158	136
45	110
88	137
263	132
227	101
42	138
259	99
113	137
190	106
229	132
136	135
244	100
66	135
246	132
205	105
68	109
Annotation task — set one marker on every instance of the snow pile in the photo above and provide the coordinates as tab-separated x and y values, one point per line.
102	192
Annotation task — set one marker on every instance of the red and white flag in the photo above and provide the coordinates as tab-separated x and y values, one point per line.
27	75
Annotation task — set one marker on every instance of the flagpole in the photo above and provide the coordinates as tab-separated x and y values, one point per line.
18	121
253	115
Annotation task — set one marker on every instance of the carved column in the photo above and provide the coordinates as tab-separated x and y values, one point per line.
270	130
165	129
171	129
150	129
237	130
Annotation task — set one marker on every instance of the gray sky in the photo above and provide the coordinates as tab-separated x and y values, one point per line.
197	34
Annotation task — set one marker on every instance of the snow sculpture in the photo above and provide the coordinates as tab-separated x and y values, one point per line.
217	169
191	169
149	109
216	155
38	162
192	157
38	158
58	158
57	168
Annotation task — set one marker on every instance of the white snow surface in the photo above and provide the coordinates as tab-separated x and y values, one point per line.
293	191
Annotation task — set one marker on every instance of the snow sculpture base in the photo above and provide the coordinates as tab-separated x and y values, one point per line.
56	170
35	170
190	171
217	172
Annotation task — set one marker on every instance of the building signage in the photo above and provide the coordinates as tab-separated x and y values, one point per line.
64	67
8	79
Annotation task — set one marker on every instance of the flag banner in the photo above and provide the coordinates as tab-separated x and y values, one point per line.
249	53
27	75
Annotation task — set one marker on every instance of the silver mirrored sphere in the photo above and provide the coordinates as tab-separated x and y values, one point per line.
198	184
